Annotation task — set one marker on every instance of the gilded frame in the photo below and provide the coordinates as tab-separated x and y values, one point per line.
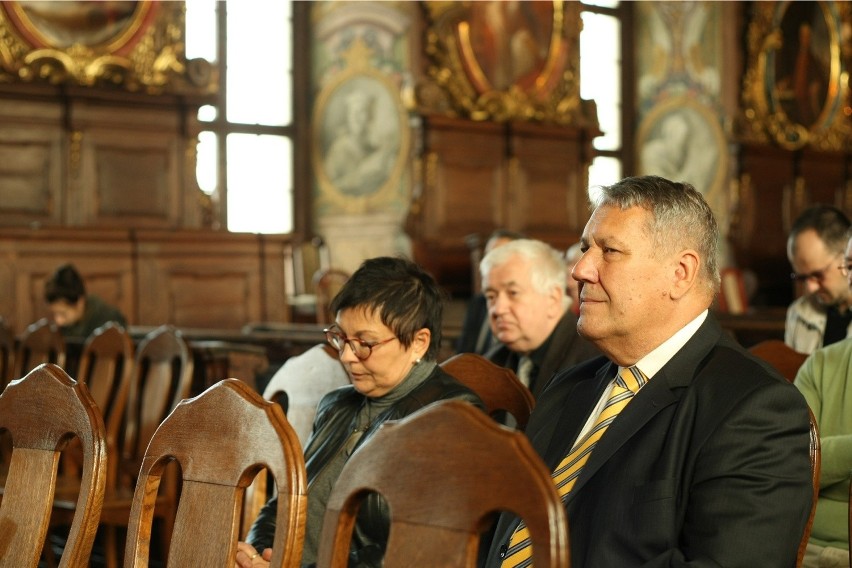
546	90
796	86
139	46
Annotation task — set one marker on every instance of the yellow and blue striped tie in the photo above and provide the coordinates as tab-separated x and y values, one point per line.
628	383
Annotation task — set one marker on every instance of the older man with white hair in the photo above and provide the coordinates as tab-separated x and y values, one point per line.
524	286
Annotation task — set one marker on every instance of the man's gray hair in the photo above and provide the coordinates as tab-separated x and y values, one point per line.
680	217
548	268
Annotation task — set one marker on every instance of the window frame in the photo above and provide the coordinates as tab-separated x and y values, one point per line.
297	130
626	154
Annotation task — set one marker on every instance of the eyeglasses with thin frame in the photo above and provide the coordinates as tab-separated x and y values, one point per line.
362	349
818	275
846	269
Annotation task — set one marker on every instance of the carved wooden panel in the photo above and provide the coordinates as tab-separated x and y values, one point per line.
476	177
193	279
29	257
30	164
198	279
129	173
464	178
549	178
775	186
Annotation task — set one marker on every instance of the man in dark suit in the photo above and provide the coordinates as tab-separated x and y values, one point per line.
707	464
524	286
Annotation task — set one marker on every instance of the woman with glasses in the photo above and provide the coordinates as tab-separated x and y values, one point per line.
387	331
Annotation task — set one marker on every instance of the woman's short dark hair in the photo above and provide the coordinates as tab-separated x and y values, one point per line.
65	284
405	297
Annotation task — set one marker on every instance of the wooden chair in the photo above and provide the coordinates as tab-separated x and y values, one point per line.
106	367
302	259
815	452
498	387
444	471
161	378
42	342
780	355
42	412
221	439
327	283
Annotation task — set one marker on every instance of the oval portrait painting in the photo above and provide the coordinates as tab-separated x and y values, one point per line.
803	65
359	136
62	24
508	42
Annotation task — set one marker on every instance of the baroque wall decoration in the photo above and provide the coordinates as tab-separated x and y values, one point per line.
796	87
134	45
681	134
361	138
505	60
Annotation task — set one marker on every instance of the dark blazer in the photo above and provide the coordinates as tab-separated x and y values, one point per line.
707	466
566	349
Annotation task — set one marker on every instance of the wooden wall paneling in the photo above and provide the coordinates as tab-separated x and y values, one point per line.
467	188
768	170
130	169
776	185
31	163
273	288
28	258
825	177
551	200
479	176
198	279
463	192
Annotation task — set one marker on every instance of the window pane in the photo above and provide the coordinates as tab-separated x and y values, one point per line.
260	183
600	74
603	171
207	113
201	29
602	3
259	75
206	171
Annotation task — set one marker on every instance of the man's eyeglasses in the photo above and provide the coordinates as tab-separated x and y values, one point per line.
818	275
362	349
846	269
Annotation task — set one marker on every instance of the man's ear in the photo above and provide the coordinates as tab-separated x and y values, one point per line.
686	269
556	303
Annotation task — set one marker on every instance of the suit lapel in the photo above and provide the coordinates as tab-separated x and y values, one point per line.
665	388
584	394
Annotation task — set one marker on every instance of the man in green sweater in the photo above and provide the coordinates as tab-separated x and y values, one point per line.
76	313
825	379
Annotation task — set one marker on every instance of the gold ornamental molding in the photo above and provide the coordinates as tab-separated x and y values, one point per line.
505	61
134	45
796	86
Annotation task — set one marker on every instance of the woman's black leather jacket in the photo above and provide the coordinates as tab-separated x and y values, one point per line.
335	421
